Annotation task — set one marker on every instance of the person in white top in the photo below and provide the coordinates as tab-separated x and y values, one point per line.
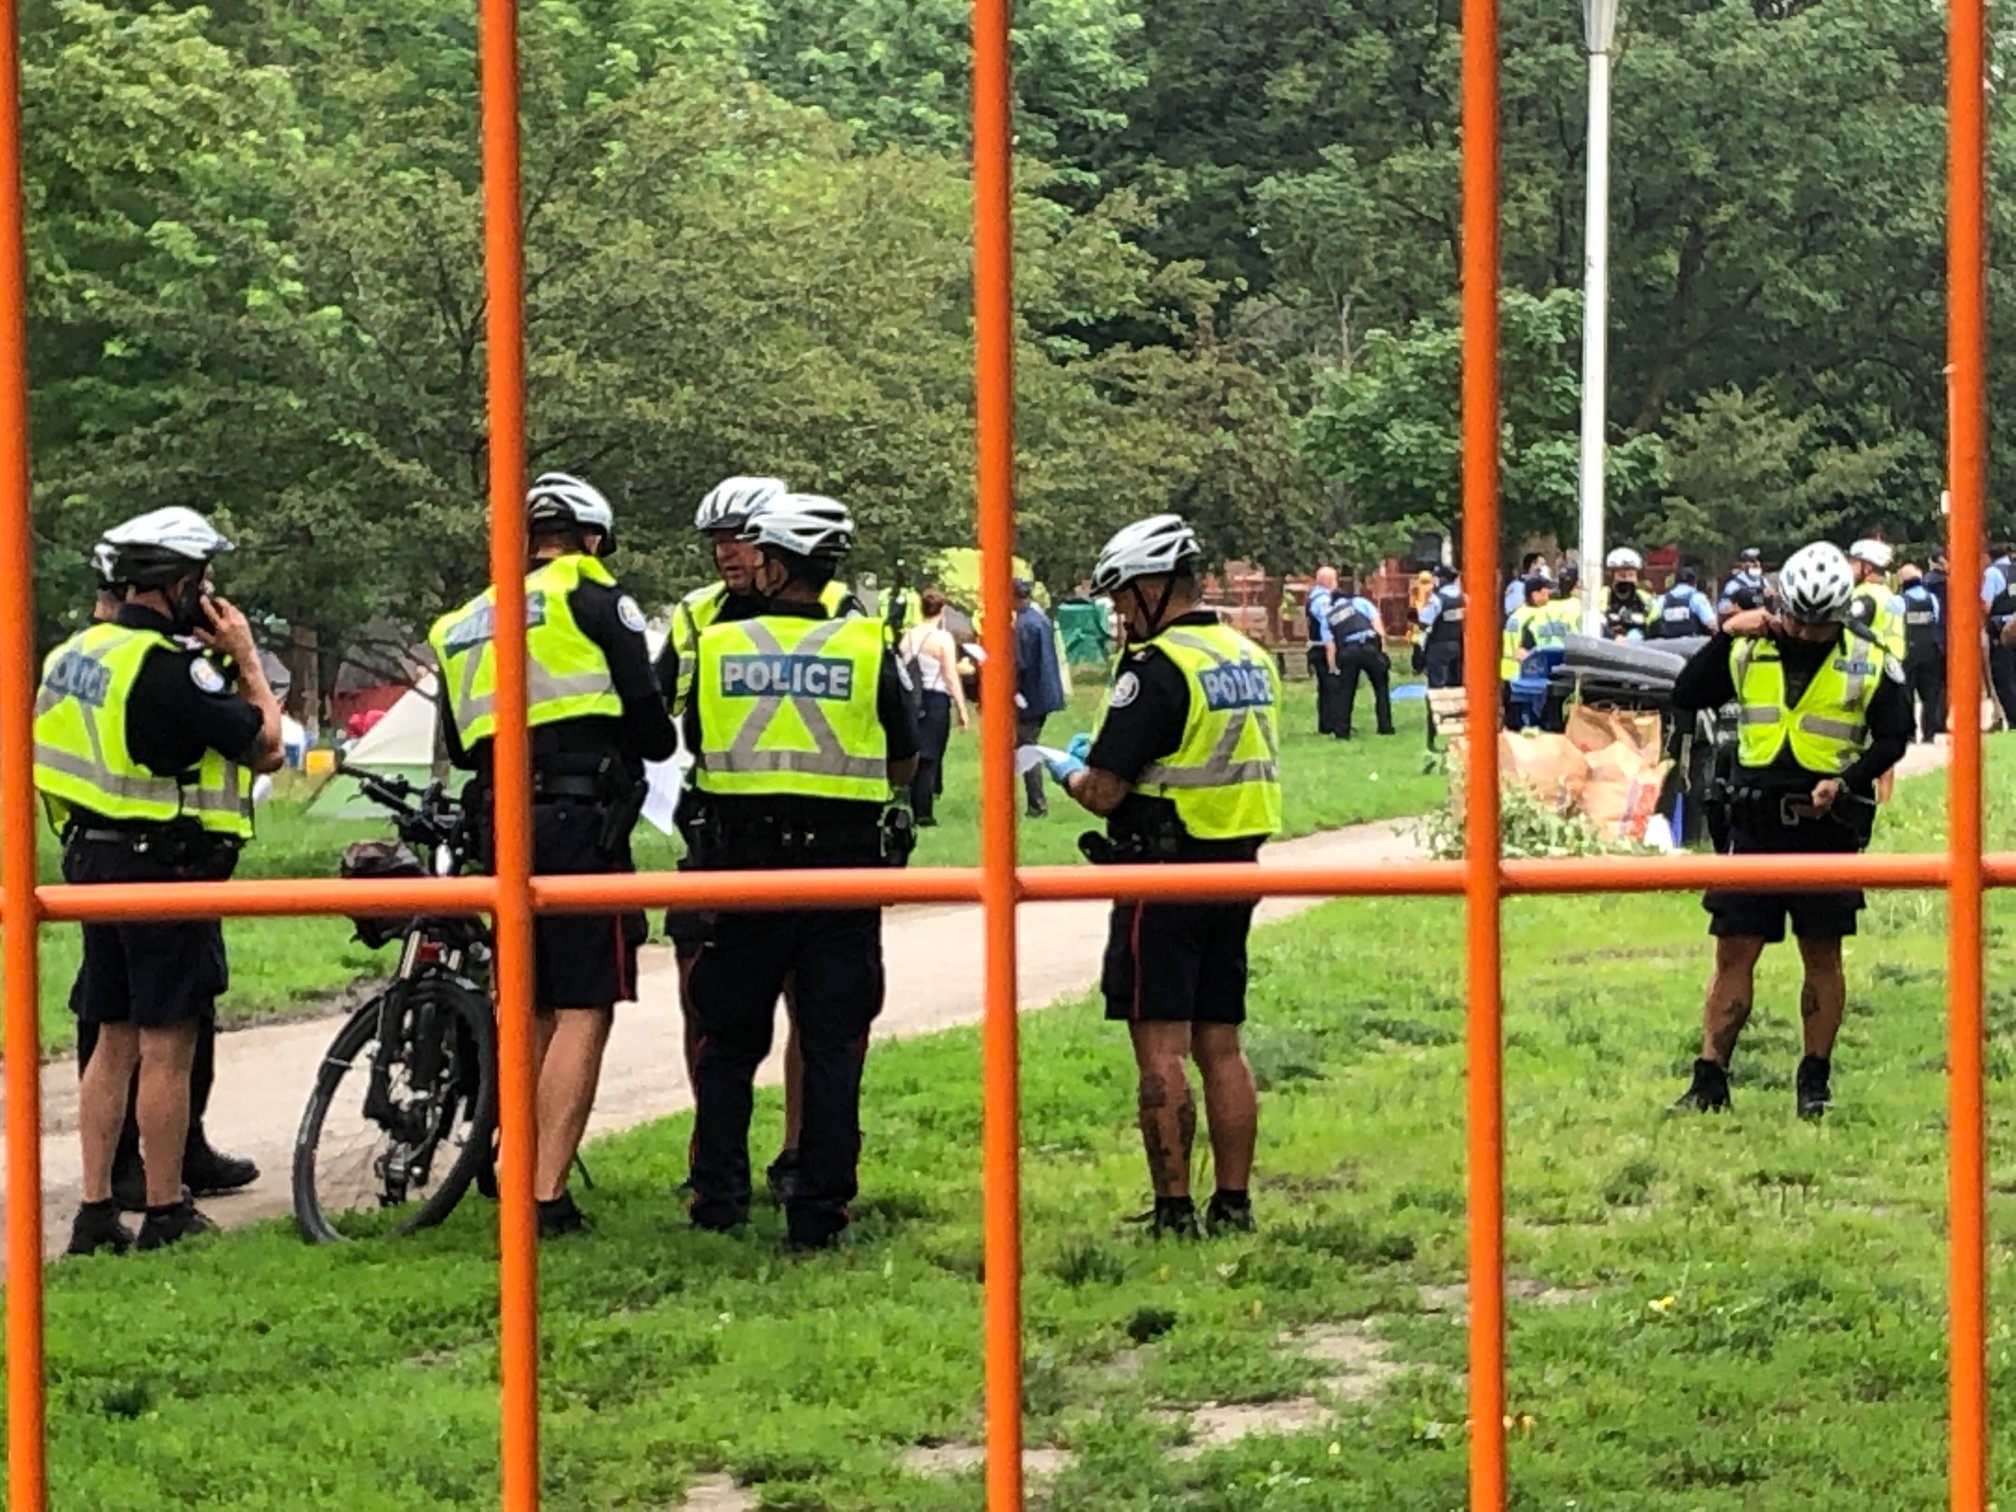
933	656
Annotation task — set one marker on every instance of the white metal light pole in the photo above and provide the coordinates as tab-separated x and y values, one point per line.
1599	26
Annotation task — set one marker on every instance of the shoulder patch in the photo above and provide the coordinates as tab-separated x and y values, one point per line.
631	616
1125	691
205	675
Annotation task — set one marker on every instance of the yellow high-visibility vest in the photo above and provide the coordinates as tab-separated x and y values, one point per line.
82	757
1884	622
1225	777
701	608
788	707
567	674
1829	726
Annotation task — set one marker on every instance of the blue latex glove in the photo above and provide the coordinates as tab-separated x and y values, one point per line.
1081	745
1060	768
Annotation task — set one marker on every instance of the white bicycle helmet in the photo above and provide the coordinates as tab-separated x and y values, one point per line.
1624	556
731	502
806	525
1154	547
558	498
154	549
1816	584
1875	553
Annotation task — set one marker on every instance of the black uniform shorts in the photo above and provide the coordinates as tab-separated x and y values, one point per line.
1177	962
582	960
1814	916
687	929
150	975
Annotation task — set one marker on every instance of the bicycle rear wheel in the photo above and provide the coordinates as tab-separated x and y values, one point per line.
380	1167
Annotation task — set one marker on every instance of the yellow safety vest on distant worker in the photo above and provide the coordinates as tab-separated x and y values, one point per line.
1225	778
1829	726
1508	643
788	708
83	760
701	608
1884	623
567	674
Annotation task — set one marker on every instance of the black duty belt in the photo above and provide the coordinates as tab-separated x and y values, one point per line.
556	786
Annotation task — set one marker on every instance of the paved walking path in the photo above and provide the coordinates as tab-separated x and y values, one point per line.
934	957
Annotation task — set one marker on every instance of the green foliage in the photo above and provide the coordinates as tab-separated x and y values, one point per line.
1529	830
1388	427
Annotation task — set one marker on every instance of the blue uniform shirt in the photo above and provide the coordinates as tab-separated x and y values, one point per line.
1753	582
1702	610
1319	616
1994	582
1361	605
1515	597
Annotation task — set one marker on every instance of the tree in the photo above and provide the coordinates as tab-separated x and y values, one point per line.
1388	429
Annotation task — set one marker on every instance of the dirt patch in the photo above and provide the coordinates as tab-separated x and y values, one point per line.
1215	1425
945	1460
1361	1362
716	1493
1455	1300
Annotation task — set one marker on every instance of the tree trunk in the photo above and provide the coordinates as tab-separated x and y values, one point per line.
303	659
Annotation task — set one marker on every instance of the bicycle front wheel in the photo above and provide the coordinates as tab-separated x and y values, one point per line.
401	1117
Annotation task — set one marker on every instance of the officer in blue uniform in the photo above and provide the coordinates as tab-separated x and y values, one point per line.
1442	620
1323	648
1998	597
1683	610
1924	652
1361	652
1745	589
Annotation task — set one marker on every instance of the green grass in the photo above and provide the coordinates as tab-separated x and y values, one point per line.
1747	1312
281	966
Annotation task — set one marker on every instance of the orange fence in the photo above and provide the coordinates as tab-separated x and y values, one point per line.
513	896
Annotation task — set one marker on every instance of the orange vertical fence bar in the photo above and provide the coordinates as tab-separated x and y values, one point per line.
1966	449
26	1477
1484	884
994	357
518	1252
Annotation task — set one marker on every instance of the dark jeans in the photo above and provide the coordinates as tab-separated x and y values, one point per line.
1927	679
1445	664
934	733
1326	691
2002	672
837	955
1027	732
1369	661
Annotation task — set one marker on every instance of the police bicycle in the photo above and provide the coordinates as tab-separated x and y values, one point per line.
404	1109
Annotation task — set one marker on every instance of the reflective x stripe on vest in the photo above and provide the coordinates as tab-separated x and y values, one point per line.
567	675
83	758
701	608
1224	779
1828	727
789	707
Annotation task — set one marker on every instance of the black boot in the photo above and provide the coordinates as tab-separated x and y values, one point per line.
1709	1092
1229	1213
558	1216
783	1178
96	1228
172	1224
208	1174
1814	1094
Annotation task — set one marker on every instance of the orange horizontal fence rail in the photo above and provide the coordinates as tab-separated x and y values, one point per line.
513	896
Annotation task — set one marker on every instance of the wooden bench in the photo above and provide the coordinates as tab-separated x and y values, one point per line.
1448	713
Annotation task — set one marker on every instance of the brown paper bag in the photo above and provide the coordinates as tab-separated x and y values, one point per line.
1591	727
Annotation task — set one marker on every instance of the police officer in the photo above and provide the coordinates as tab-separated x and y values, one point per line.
1361	652
1531	565
1628	609
1183	769
1824	715
1874	606
802	728
205	1171
144	759
1745	588
1535	594
732	596
1924	652
1682	611
1998	597
596	715
1442	624
1323	648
